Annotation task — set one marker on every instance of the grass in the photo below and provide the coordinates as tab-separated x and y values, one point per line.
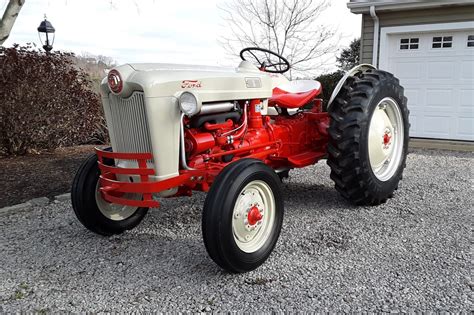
23	286
258	281
18	295
21	292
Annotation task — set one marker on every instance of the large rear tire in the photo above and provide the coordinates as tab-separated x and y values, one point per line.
93	211
368	137
243	215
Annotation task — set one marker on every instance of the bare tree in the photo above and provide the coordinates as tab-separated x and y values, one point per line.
288	27
9	16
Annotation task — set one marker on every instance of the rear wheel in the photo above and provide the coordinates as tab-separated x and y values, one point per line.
368	137
93	211
243	215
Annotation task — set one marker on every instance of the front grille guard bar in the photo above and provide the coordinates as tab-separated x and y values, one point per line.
113	190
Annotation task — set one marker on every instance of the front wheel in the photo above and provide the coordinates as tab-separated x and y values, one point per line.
243	215
368	137
93	211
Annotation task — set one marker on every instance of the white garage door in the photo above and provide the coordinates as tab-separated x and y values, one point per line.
437	70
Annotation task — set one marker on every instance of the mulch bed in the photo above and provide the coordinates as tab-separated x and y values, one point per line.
38	175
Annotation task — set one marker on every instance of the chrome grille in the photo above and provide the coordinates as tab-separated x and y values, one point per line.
129	123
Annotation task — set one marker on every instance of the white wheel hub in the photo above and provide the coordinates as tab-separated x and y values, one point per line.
386	139
253	216
112	211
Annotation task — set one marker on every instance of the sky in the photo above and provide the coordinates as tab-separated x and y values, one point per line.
171	31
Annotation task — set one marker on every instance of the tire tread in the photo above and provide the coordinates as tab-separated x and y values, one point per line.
349	116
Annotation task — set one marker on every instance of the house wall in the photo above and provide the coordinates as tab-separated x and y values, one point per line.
400	18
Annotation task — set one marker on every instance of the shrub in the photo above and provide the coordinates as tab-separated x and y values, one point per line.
329	82
46	102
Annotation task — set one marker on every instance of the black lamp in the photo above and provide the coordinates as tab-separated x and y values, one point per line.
44	31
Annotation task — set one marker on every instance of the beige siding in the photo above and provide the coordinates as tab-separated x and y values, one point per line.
367	39
401	18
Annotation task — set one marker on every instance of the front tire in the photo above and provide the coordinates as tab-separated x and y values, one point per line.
243	215
368	137
93	211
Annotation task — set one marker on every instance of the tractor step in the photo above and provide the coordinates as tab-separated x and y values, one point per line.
306	158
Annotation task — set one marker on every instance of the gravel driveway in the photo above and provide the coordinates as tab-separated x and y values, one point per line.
412	253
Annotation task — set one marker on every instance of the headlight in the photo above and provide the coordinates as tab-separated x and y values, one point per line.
189	104
115	81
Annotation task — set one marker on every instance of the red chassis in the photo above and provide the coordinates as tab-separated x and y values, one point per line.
282	142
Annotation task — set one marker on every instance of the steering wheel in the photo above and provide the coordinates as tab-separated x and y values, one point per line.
276	65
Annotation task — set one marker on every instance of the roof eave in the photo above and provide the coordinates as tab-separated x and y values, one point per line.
364	7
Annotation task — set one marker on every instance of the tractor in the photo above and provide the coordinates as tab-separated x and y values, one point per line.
235	133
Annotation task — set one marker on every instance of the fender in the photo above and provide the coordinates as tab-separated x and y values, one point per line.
360	68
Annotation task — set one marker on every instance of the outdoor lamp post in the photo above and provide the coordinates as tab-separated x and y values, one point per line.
44	31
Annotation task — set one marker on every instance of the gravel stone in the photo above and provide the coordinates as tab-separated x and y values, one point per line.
41	201
410	254
15	208
63	197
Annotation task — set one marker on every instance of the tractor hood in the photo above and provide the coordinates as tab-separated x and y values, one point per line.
212	84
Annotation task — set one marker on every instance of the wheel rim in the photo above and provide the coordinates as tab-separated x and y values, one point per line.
386	138
112	211
253	217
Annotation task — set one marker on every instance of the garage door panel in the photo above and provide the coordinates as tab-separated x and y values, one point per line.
414	123
466	128
467	70
437	126
438	99
413	98
408	70
438	82
466	97
440	70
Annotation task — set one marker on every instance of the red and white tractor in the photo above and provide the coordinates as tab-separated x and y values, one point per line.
234	133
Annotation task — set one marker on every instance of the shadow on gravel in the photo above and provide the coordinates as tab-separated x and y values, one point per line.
314	196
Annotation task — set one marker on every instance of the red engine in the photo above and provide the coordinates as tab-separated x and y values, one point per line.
282	141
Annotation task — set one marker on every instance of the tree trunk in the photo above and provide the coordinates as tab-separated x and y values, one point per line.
9	17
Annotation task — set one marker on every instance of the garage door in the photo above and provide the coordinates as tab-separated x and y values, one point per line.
437	71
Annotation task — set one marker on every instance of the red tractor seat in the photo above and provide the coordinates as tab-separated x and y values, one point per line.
295	94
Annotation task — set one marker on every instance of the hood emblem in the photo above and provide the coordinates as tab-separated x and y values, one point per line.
191	84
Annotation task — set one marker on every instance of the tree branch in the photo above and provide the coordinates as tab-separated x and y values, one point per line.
288	27
9	17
